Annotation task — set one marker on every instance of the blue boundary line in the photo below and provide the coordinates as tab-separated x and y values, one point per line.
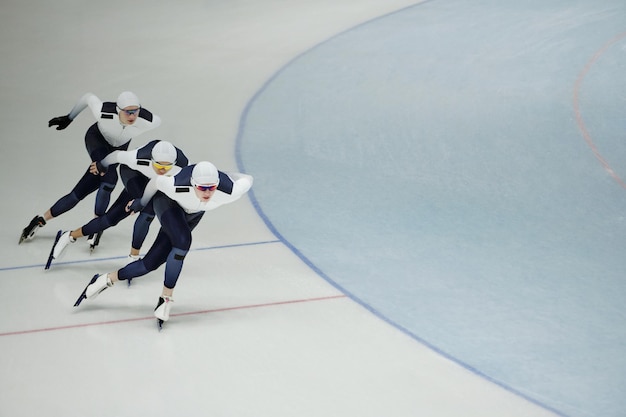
92	260
296	251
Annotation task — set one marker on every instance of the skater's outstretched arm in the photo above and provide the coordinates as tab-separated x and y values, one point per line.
89	99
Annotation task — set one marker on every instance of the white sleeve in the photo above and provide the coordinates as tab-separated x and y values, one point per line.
150	190
128	158
110	159
90	100
241	185
156	121
143	125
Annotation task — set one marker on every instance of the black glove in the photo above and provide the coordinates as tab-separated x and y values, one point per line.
101	169
60	122
134	206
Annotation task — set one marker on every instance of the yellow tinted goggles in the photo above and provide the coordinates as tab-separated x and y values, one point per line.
159	165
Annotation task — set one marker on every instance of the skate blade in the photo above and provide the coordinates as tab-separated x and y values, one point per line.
91	240
160	324
129	280
94	241
83	295
98	236
50	257
25	236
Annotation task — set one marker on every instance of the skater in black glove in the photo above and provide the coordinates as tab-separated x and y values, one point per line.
116	124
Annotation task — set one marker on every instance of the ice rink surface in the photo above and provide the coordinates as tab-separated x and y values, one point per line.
436	226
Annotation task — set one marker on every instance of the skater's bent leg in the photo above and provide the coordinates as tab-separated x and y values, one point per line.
133	270
112	217
96	225
174	224
63	204
173	267
156	256
177	226
86	185
103	198
141	229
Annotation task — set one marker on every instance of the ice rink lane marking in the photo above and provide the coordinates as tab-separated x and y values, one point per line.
579	118
41	265
190	313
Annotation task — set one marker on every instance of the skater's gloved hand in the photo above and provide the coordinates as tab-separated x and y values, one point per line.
96	168
134	206
60	122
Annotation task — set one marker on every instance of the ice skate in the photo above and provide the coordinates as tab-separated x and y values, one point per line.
29	231
97	284
58	248
94	240
162	310
49	260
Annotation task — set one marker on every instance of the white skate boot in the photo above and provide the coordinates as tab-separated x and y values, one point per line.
97	284
162	310
101	283
59	247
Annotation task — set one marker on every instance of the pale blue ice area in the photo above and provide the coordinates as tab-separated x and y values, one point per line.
430	164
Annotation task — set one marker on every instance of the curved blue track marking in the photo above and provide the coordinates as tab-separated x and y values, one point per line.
429	165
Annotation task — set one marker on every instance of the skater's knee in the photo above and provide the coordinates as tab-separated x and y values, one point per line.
103	197
74	198
182	240
179	254
145	217
107	221
107	187
174	266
